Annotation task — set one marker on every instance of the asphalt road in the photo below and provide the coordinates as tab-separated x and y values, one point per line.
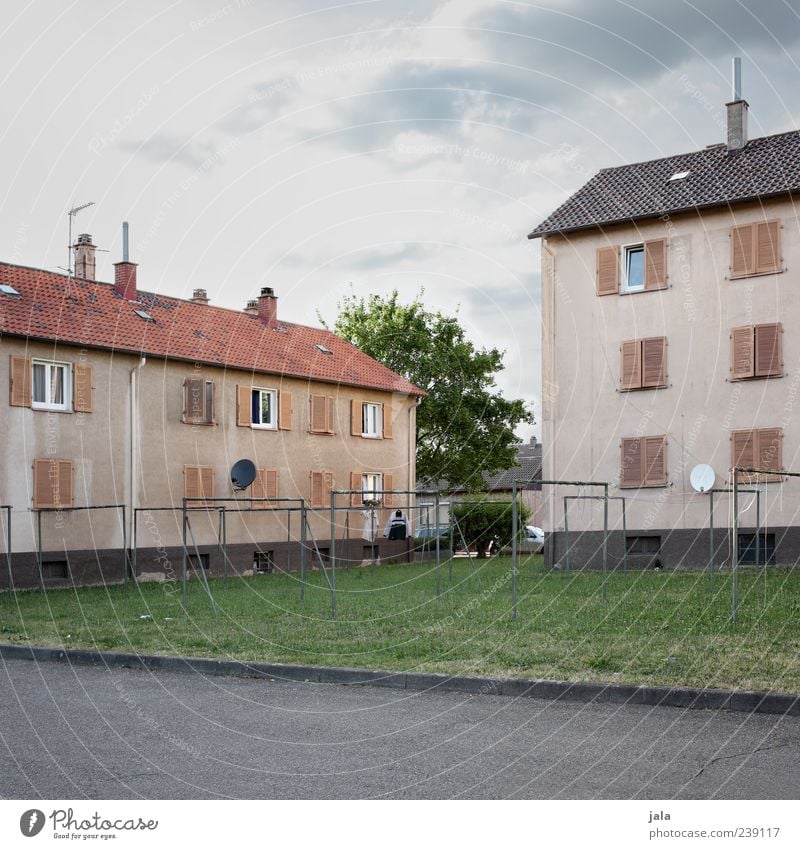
82	732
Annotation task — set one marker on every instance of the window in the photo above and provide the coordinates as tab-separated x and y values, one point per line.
643	267
55	570
757	449
371	486
198	401
198	484
201	561
321	414
756	249
756	351
371	420
51	386
264	408
52	484
643	363
644	462
643	544
263	562
753	549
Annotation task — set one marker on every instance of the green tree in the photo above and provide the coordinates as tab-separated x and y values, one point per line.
464	429
488	520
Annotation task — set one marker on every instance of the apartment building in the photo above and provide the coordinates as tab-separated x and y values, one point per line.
122	397
669	304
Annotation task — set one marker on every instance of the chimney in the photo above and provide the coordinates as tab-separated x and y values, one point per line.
125	271
268	307
737	111
199	296
84	257
252	307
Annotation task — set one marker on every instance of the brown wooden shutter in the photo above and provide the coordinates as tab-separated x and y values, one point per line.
388	486
654	361
317	484
768	450
356	413
198	483
82	388
194	400
608	270
19	383
769	357
65	483
52	483
43	489
655	460
743	451
742	250
191	482
631	472
284	410
244	405
768	247
319	415
357	497
388	423
742	357
327	486
210	412
329	415
631	364
655	264
258	489
271	483
207	481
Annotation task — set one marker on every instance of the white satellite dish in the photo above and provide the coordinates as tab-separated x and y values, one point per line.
702	478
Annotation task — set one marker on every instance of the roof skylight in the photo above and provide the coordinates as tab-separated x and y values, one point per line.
5	289
320	347
679	175
144	315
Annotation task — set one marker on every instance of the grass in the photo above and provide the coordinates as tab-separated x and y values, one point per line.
656	627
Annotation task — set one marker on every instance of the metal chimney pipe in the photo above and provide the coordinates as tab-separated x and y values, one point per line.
737	78
125	241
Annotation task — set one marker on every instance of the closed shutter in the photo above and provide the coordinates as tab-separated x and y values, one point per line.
329	414
356	413
654	361
284	410
319	414
631	471
768	247
388	486
198	401
207	481
608	270
742	250
265	486
388	423
631	364
655	460
768	357
52	483
356	497
768	453
742	352
198	484
743	452
317	484
19	388
655	264
82	388
327	486
244	411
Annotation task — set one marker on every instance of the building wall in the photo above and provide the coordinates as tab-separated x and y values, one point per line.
585	415
100	445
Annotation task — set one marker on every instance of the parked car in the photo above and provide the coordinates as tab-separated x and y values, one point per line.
533	541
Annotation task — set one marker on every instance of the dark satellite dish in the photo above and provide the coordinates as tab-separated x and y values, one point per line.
243	474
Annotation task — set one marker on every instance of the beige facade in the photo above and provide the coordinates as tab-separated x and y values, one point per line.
133	449
587	414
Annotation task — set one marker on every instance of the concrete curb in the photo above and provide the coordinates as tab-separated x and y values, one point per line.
573	691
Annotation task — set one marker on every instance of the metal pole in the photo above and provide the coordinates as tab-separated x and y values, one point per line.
303	520
566	537
39	546
124	550
514	531
183	559
288	540
735	546
438	552
333	554
711	534
605	539
8	556
224	516
624	539
134	541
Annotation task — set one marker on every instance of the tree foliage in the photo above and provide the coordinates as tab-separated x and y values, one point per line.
488	520
464	429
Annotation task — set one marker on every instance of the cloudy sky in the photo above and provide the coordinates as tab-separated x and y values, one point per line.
323	148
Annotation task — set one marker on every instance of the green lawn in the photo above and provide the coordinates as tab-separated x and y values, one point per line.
658	628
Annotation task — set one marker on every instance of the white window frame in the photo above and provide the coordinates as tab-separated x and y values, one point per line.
624	270
377	423
271	425
48	404
372	486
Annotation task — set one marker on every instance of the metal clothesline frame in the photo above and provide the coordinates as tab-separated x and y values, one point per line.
8	508
711	529
624	524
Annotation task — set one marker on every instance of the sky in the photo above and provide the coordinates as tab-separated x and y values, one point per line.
328	149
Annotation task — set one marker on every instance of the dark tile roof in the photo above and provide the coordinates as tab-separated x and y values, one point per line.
527	473
92	315
765	167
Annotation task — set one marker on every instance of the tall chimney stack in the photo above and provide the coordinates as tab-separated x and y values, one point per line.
84	257
268	307
125	271
737	111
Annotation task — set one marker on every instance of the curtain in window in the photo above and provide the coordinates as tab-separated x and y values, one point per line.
56	385
39	384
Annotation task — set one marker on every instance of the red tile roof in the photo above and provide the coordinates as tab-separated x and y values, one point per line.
92	315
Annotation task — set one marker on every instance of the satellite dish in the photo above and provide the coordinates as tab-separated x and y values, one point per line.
702	478
243	474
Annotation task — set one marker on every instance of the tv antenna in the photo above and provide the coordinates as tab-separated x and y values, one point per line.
71	214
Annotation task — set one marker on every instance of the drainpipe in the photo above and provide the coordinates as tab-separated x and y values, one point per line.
133	456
